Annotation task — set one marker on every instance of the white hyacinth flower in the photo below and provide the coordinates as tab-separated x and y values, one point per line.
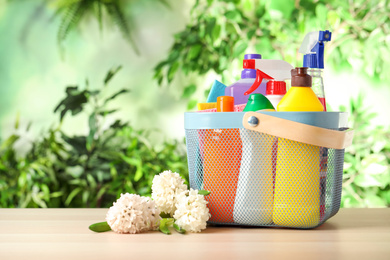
165	189
192	212
132	214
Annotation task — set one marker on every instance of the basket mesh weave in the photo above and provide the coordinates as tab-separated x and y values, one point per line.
260	180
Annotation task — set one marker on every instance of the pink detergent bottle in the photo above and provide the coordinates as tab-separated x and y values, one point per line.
248	76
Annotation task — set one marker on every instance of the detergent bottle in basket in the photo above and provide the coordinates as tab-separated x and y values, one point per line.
221	166
254	197
297	180
274	69
248	76
275	91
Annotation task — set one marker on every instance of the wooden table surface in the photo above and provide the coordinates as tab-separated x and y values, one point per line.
64	234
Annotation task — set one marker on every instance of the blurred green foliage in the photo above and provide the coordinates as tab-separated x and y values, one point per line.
366	179
72	12
89	170
220	32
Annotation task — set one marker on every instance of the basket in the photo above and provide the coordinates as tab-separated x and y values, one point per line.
279	169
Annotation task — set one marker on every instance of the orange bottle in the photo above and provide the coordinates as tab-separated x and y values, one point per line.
221	166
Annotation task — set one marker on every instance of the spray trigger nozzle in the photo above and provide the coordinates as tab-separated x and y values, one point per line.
259	78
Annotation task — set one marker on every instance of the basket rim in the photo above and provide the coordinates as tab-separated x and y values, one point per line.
226	120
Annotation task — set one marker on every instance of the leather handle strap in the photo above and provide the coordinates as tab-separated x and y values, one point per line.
297	131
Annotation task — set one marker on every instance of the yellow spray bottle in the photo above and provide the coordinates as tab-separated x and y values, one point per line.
297	180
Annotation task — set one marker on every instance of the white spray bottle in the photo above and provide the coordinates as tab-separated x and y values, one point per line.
313	49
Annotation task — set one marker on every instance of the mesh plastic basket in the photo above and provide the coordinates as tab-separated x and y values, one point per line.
265	170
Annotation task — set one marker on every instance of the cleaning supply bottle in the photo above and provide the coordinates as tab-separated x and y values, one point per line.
258	102
260	75
221	166
297	189
313	49
275	91
248	76
300	97
254	197
277	69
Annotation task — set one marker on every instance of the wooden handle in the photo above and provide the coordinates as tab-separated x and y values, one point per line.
297	131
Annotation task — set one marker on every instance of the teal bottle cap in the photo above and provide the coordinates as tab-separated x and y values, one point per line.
258	102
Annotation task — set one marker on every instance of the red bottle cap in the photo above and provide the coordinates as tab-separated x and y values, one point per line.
249	64
276	87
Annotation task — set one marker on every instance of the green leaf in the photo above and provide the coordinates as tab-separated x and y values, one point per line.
204	192
216	32
91	181
239	48
116	14
164	229
179	229
56	194
251	33
164	215
72	195
138	173
71	18
194	51
173	56
172	70
164	224
374	201
120	92
28	126
192	104
137	162
85	197
111	73
366	180
321	14
100	227
17	121
286	7
92	131
231	29
107	112
10	141
189	91
386	195
165	3
210	26
233	15
73	102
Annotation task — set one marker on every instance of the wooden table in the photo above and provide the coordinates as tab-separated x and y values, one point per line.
64	234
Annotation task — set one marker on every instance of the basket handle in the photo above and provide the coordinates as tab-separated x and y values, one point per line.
295	131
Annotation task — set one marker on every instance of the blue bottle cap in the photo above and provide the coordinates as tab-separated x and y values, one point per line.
310	60
252	56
